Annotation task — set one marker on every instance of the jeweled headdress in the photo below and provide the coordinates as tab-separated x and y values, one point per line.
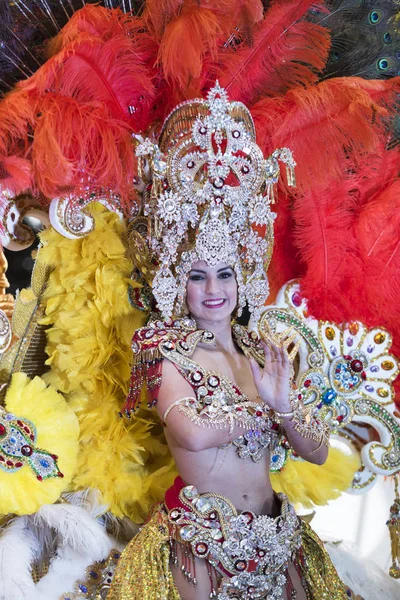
207	197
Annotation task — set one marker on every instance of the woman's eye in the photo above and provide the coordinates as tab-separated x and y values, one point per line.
225	275
196	277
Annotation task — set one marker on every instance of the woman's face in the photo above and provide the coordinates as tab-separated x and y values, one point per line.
211	291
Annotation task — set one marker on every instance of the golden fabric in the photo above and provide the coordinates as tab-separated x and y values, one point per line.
143	571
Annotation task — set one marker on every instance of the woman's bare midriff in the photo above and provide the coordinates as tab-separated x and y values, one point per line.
221	471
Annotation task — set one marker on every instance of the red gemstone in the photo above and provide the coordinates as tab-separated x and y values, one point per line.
307	383
2	429
259	413
2	459
9	463
340	418
60	474
54	456
363	375
26	450
39	477
296	299
19	464
347	357
27	429
356	365
20	423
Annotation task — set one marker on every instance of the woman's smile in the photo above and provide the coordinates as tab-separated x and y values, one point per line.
214	302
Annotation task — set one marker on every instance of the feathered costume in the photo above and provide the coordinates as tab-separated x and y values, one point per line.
67	137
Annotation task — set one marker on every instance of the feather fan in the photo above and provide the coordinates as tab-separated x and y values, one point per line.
365	39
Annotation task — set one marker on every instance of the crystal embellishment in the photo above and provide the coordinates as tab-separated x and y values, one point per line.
209	185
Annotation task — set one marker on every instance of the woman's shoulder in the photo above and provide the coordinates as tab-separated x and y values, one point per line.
157	332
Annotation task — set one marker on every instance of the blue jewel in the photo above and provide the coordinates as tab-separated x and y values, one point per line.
44	463
83	588
329	396
275	458
94	575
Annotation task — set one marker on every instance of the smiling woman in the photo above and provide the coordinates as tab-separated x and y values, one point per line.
211	289
226	400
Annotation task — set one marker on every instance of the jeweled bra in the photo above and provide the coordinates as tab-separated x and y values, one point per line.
217	401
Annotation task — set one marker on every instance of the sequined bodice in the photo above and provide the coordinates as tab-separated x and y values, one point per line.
217	398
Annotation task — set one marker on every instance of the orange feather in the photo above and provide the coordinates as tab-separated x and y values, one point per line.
186	40
75	142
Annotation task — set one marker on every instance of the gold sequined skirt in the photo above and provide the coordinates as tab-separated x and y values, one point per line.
143	571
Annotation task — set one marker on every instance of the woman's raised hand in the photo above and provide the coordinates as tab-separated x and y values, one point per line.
273	382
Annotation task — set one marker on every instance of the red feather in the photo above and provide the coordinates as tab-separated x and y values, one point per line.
15	175
95	21
232	14
111	72
285	263
286	52
325	241
323	123
18	112
158	13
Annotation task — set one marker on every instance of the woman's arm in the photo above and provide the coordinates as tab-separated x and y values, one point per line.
186	433
310	450
273	386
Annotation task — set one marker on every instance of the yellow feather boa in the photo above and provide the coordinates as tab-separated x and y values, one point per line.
57	432
90	327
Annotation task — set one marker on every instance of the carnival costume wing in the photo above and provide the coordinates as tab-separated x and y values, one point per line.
66	142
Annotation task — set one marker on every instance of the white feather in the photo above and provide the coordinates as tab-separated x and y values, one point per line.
18	549
81	541
360	574
75	528
65	569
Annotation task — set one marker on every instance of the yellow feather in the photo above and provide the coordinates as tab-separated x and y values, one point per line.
90	327
57	432
309	484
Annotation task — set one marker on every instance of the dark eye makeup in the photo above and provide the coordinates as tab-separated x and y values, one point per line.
201	275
